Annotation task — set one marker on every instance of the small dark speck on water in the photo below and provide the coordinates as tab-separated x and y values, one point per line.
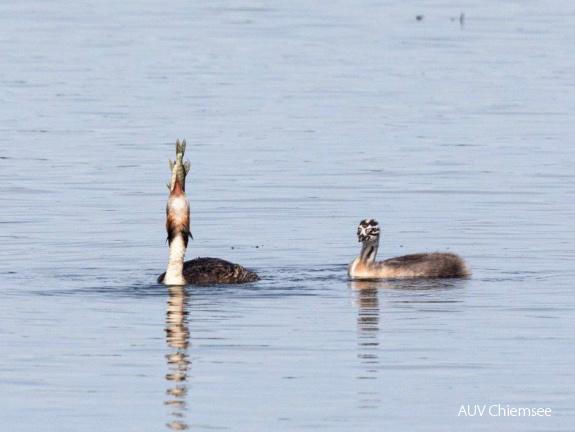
419	17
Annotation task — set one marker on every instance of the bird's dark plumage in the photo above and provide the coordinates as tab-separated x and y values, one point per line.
209	271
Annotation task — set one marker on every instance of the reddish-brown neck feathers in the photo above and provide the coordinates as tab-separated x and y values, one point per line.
178	189
178	226
178	215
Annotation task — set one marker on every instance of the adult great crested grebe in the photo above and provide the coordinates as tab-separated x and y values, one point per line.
422	265
199	271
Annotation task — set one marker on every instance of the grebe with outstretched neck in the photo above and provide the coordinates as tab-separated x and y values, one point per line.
199	271
422	265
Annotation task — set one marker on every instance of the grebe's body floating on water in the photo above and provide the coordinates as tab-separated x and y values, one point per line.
199	271
422	265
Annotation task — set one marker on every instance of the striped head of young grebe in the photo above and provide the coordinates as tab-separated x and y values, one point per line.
368	231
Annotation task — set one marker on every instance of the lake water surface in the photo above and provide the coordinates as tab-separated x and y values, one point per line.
301	118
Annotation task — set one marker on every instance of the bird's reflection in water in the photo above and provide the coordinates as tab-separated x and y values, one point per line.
368	322
368	339
178	339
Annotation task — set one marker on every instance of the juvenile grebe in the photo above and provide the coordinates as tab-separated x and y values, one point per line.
422	265
199	271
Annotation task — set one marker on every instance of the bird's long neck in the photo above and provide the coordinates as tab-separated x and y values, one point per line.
175	268
178	228
368	251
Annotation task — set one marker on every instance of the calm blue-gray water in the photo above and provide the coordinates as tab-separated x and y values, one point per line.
301	119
